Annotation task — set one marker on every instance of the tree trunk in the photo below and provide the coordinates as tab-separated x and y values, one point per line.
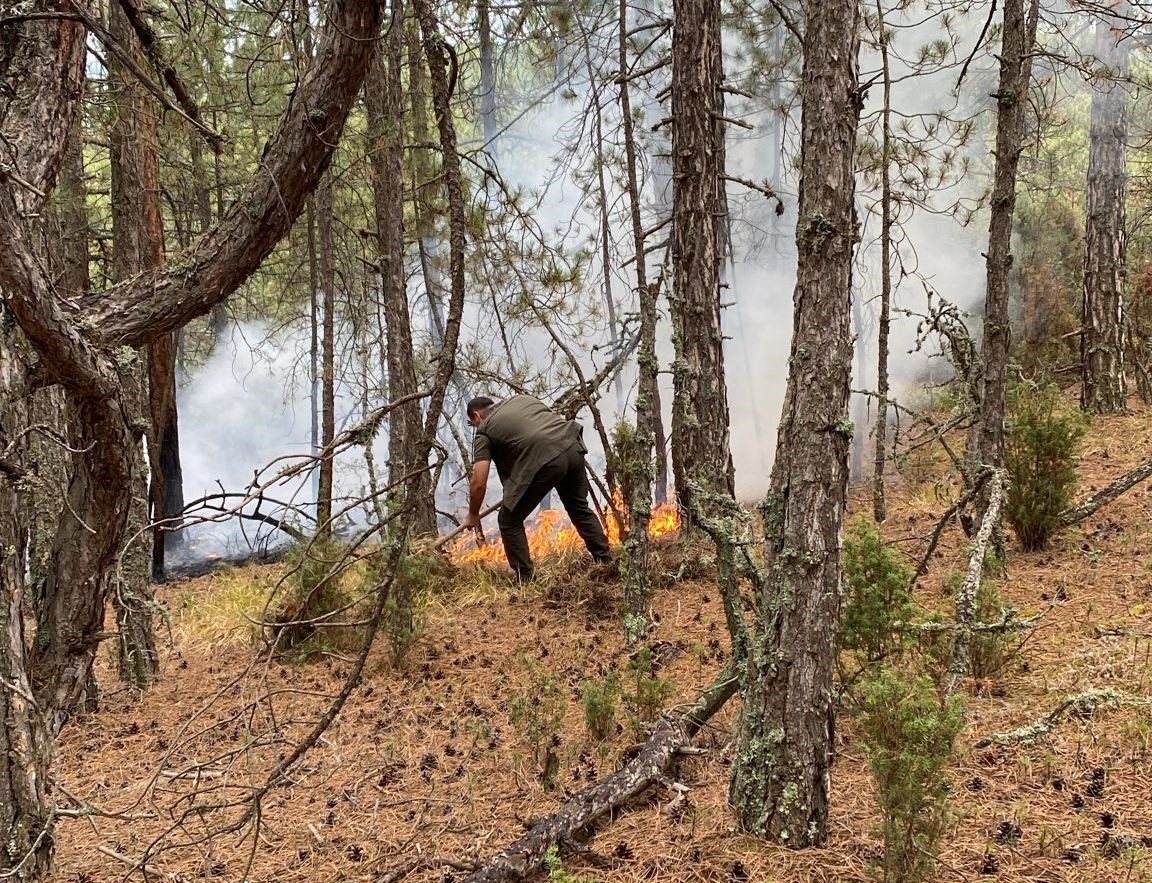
636	475
784	737
879	509
137	245
700	455
487	76
25	808
384	103
326	263
1103	388
986	439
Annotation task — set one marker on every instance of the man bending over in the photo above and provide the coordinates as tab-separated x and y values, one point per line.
535	450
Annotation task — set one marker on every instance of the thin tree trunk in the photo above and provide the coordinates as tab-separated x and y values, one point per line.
326	262
784	737
1103	388
700	452
986	439
487	83
879	510
384	103
137	245
637	476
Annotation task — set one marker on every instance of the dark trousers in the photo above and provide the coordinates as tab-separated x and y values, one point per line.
566	474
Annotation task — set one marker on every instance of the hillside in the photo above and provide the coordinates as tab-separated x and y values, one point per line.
435	756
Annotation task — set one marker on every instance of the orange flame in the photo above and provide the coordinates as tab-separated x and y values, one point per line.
551	533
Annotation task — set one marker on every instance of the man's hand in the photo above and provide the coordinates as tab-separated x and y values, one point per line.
471	520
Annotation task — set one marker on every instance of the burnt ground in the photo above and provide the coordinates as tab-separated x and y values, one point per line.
435	755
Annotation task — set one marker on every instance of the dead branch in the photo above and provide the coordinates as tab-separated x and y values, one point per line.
1080	705
966	597
938	530
1106	495
672	732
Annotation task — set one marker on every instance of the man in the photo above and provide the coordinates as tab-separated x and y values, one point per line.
535	450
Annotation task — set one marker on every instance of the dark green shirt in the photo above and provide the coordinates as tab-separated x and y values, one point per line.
521	434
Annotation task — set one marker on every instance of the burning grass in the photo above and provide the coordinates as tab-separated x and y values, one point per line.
432	756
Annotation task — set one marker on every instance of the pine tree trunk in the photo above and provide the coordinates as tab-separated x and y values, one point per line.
700	452
879	509
326	263
784	737
137	244
487	76
25	744
384	103
636	475
1103	388
986	439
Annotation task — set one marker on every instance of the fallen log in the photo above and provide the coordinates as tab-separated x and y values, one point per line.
1106	495
671	735
672	732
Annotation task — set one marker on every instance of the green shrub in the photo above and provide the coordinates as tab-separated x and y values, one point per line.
538	710
416	577
989	651
1040	459
908	732
599	699
878	594
647	693
311	618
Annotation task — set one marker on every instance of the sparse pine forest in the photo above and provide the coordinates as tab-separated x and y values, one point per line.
852	303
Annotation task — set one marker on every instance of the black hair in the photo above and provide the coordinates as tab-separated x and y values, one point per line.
480	403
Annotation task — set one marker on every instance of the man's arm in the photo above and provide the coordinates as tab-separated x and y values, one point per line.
477	488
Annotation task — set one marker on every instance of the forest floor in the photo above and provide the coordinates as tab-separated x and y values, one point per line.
436	755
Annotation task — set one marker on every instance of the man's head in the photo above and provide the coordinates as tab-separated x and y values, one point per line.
478	409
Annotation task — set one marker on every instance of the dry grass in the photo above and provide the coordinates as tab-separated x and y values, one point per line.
425	757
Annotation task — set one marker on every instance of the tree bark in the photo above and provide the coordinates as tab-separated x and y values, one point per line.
384	104
326	264
700	453
25	808
637	477
137	245
879	509
1103	389
784	737
986	438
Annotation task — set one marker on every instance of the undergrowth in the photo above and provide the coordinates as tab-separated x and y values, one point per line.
908	731
1040	459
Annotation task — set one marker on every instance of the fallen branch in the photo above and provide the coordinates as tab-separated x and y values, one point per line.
1106	495
672	733
1080	705
966	597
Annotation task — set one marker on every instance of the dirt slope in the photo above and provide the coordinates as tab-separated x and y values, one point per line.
436	756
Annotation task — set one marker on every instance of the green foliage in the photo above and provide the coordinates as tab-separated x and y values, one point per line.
1040	458
538	710
319	590
599	700
647	693
990	650
416	578
557	873
908	732
878	594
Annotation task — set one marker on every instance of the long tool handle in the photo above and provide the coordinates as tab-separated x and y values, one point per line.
451	535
